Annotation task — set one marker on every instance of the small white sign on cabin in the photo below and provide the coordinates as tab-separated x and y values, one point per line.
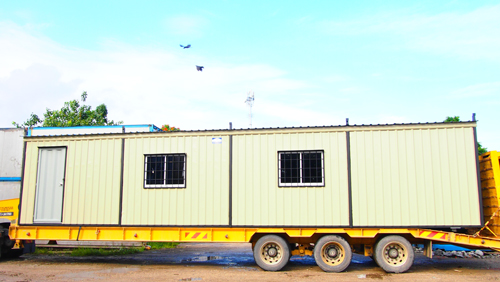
217	140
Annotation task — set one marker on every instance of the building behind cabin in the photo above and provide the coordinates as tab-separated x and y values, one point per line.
96	129
11	159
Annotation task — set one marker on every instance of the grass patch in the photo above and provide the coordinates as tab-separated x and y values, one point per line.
50	251
42	251
162	245
82	252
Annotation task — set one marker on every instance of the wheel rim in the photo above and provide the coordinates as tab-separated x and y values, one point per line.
395	254
271	253
332	253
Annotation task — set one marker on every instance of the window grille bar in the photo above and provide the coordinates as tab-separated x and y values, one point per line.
301	168
165	171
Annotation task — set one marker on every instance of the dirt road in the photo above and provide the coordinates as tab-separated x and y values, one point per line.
230	262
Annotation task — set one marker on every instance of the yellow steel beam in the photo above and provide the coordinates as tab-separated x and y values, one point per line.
131	234
166	234
458	239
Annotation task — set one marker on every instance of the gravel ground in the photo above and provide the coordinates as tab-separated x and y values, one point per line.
231	262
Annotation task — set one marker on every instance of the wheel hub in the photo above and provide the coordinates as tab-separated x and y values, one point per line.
332	252
393	253
272	252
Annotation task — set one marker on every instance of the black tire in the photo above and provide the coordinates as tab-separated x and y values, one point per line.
332	253
394	254
271	253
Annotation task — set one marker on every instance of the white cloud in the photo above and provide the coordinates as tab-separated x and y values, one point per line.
295	114
469	34
138	84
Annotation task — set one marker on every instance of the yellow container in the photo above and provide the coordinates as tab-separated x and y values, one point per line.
489	164
9	210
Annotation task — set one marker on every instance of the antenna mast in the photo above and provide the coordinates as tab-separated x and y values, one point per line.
249	101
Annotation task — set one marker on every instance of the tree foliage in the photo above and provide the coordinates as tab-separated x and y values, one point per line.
73	113
167	127
452	119
480	149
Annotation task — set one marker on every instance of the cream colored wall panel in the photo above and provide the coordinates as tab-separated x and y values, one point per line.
29	184
72	195
204	201
86	180
417	177
257	199
92	189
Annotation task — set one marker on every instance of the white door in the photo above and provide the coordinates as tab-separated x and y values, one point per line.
50	185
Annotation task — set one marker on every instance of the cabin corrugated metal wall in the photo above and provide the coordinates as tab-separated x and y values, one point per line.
92	184
204	201
257	199
406	175
414	177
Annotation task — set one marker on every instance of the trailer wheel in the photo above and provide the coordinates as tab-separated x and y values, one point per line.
271	252
332	253
394	254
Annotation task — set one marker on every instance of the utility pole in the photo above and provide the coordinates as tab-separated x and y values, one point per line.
249	101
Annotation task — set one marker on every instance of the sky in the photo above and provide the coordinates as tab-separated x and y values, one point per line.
308	63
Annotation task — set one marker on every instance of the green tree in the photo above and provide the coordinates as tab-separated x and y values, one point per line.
73	113
167	127
480	149
452	119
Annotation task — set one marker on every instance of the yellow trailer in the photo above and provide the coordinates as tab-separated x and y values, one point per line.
331	247
154	187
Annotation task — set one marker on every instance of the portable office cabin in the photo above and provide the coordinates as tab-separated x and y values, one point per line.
339	176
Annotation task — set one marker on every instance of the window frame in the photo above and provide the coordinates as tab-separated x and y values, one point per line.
164	185
301	160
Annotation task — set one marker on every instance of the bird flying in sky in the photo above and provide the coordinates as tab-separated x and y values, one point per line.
187	46
199	68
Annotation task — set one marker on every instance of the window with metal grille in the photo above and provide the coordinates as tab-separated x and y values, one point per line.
165	171
301	168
